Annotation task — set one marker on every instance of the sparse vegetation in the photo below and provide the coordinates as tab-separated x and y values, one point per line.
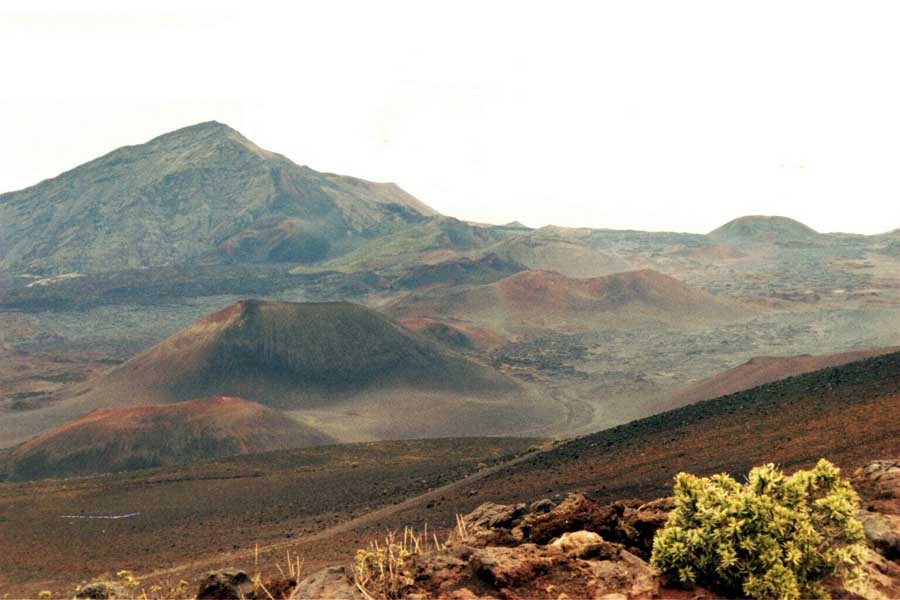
776	536
382	571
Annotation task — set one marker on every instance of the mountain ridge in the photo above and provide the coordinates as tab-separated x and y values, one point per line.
199	191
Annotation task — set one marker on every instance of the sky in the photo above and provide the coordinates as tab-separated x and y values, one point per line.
653	115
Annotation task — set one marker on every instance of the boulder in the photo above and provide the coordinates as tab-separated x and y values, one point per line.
102	590
883	532
879	483
586	545
335	583
505	567
230	584
492	523
628	575
575	513
881	580
885	474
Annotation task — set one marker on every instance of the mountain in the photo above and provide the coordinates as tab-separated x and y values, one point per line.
338	367
547	299
200	191
757	228
123	439
765	369
290	354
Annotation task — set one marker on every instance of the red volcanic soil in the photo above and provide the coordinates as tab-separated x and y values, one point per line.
121	439
312	350
544	290
764	369
459	335
341	368
214	509
849	414
545	298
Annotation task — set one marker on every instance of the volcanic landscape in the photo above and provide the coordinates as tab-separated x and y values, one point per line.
246	356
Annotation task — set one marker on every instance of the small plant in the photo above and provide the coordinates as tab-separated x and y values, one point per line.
776	536
383	570
462	529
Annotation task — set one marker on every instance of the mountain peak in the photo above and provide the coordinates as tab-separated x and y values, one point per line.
771	228
202	191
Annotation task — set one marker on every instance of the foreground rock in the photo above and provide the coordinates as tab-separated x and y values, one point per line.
579	548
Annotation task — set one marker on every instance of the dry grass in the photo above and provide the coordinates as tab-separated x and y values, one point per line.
289	572
383	571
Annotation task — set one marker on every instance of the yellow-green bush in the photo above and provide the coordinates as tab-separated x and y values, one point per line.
776	536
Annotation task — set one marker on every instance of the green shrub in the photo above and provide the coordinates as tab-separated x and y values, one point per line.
776	536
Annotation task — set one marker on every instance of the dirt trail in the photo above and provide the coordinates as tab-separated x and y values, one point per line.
371	518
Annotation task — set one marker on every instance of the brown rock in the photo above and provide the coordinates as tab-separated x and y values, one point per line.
585	545
335	583
575	513
885	474
230	584
628	575
491	524
881	581
505	567
879	484
883	532
102	590
639	526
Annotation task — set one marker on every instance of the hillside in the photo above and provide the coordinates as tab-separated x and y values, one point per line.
198	191
338	367
123	439
765	369
792	422
849	413
572	252
429	241
200	510
758	228
543	299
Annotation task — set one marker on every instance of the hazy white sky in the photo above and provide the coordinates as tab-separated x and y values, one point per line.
676	115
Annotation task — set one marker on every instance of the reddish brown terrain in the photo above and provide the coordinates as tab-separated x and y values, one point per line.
31	379
459	335
765	369
849	414
337	367
217	510
544	299
484	330
122	439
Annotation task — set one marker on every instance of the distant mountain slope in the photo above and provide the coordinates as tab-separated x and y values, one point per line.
189	193
764	229
122	439
338	367
765	369
572	252
434	240
546	299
